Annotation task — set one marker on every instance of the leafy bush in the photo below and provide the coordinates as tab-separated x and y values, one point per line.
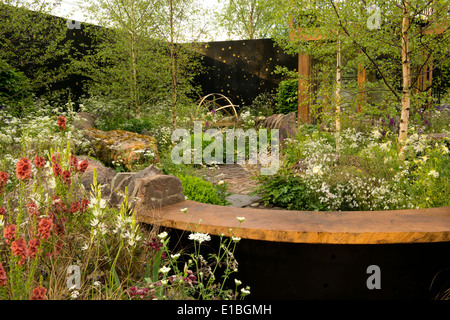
367	173
288	96
264	104
13	89
199	190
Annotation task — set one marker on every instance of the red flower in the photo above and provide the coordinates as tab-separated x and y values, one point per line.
56	158
3	280
61	122
84	205
9	233
23	169
3	180
4	177
33	247
82	165
66	177
39	293
2	211
39	162
73	162
57	170
45	227
32	209
75	207
19	248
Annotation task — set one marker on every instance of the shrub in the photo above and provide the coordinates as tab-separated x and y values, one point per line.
13	89
288	96
367	173
199	190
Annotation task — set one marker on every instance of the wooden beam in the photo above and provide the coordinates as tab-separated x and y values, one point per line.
361	87
304	72
332	227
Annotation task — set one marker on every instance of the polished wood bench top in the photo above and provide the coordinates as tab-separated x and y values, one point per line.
346	227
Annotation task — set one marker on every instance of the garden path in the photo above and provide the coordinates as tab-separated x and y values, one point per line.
240	181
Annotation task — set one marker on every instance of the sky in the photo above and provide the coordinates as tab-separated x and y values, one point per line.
69	9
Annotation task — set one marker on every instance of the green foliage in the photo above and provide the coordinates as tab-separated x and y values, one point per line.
246	19
131	62
264	104
31	41
287	191
288	96
367	174
199	190
364	44
13	89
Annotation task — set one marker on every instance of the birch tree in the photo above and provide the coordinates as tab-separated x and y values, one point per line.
246	19
399	41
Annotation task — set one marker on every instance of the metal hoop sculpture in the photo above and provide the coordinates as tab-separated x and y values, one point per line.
213	103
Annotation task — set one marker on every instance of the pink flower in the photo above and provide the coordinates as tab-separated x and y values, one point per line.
9	233
57	170
3	180
45	227
82	165
32	209
61	122
33	247
39	162
3	280
39	293
19	248
66	177
23	169
75	207
73	162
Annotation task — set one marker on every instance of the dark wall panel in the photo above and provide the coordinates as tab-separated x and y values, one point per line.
243	69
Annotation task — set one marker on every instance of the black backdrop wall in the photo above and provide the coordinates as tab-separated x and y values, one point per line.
243	69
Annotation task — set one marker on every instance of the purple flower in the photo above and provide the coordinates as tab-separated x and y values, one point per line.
391	122
383	133
427	123
213	111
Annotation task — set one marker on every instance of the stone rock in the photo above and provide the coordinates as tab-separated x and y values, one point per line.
242	200
128	148
285	123
84	121
105	176
147	189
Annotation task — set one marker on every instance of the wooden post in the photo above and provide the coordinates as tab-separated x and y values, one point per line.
361	87
304	72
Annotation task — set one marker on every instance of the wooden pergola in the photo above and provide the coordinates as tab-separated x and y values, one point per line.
305	69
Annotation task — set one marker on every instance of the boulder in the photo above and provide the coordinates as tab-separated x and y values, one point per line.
105	176
123	147
148	189
84	121
285	123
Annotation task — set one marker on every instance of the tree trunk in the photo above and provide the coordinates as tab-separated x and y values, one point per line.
252	9
338	93
134	93
173	65
406	73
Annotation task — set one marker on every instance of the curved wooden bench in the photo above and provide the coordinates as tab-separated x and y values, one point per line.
351	227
